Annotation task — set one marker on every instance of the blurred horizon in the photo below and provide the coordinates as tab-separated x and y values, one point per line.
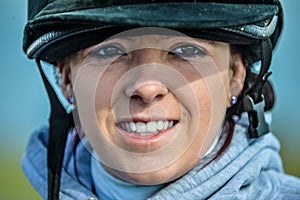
24	104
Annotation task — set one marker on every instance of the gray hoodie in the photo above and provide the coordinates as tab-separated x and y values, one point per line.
249	169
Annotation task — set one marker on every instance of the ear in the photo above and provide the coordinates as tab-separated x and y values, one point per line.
238	74
65	84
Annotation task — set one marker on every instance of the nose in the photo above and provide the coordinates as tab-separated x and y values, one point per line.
148	92
146	86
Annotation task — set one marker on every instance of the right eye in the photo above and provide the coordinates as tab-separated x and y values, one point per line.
110	51
189	51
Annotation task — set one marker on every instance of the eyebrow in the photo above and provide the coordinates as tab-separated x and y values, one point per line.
168	37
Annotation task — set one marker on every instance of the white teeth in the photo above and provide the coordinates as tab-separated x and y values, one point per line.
165	125
146	129
127	127
170	124
132	126
140	127
143	134
123	126
151	127
160	125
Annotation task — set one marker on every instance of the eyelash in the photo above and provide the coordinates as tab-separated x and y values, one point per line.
197	51
103	52
116	51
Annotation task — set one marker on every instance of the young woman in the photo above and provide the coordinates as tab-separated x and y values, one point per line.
165	101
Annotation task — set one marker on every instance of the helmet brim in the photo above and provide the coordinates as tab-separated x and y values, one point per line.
180	16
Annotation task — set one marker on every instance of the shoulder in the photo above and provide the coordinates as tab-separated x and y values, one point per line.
289	186
34	166
39	136
37	143
34	161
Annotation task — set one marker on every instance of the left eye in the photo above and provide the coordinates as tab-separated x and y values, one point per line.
110	51
188	51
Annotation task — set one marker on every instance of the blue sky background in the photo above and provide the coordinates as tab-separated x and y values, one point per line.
24	105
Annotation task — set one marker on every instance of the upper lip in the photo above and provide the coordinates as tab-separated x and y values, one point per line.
145	118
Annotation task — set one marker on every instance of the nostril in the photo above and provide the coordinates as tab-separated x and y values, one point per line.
159	96
148	92
136	97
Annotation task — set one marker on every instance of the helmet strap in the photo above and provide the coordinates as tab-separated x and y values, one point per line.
60	122
253	100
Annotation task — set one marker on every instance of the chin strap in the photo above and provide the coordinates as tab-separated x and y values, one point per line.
60	122
253	100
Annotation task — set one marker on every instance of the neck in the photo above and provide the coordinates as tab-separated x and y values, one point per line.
110	187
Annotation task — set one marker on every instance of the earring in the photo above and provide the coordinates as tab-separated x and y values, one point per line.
71	99
233	100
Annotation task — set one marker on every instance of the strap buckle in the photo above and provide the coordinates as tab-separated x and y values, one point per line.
257	122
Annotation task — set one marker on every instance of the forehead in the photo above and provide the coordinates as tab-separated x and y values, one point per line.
163	39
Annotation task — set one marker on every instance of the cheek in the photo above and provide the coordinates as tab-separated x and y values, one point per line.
203	114
104	92
226	77
203	94
212	100
93	87
107	87
107	84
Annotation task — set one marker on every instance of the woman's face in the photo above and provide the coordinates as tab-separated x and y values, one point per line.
152	105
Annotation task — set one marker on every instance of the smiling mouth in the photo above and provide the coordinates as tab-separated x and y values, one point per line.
146	129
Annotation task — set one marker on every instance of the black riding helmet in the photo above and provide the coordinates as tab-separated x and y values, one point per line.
58	28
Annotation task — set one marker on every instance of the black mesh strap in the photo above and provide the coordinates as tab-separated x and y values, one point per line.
266	57
253	100
60	122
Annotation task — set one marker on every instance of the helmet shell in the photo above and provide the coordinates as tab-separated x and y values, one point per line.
58	28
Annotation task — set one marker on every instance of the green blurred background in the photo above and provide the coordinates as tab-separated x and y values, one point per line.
24	105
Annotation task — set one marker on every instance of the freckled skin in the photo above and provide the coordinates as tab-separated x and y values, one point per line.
192	88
